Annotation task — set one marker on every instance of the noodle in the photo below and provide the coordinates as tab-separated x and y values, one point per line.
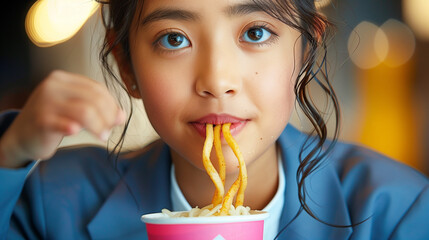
208	211
221	205
217	198
211	171
243	172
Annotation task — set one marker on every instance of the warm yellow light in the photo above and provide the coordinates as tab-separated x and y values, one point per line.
49	22
381	44
367	45
322	3
402	42
417	16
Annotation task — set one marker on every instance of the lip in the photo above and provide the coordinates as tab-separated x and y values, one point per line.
237	124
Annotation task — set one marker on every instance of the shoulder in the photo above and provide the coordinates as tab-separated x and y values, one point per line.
76	169
87	164
354	184
376	187
354	162
351	160
76	158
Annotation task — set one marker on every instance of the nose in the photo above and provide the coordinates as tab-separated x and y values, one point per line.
218	74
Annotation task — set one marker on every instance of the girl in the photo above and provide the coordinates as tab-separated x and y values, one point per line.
195	62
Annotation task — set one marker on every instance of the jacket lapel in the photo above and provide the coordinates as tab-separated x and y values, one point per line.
144	188
324	196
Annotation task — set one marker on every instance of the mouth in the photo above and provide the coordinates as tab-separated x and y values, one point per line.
237	124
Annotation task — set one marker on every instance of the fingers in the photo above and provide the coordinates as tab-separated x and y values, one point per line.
61	124
97	116
83	103
63	104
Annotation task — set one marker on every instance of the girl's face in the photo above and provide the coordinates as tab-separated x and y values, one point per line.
214	61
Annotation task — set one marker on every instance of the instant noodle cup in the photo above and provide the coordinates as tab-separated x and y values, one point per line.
162	227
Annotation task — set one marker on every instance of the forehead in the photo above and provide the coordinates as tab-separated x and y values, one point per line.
150	5
199	8
212	10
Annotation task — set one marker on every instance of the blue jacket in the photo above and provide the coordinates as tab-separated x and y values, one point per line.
81	194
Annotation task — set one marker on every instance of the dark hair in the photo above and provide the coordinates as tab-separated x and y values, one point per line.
301	15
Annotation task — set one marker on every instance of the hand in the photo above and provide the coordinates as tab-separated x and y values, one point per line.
63	104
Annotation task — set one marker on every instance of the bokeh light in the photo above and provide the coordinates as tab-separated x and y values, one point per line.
402	42
322	3
49	22
416	14
381	44
367	45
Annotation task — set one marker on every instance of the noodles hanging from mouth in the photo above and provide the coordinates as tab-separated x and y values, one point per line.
217	198
241	183
221	203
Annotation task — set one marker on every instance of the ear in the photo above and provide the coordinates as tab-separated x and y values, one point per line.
124	66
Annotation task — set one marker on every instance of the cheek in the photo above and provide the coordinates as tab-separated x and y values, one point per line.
163	94
164	83
152	89
273	79
275	90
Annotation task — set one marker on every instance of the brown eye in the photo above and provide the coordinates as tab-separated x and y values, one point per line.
256	35
174	41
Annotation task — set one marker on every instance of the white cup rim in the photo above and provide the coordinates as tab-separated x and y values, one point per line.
161	218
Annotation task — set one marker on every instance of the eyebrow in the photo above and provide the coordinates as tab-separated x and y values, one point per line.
185	15
242	9
169	13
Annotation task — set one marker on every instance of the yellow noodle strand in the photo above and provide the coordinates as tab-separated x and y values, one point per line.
227	201
211	171
243	172
217	198
219	154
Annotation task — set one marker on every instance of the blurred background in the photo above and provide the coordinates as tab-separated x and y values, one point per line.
377	63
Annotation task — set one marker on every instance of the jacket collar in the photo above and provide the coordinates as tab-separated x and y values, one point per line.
324	196
144	188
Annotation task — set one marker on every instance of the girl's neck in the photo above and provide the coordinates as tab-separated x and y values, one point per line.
198	189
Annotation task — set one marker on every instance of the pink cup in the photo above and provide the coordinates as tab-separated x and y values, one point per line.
161	227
